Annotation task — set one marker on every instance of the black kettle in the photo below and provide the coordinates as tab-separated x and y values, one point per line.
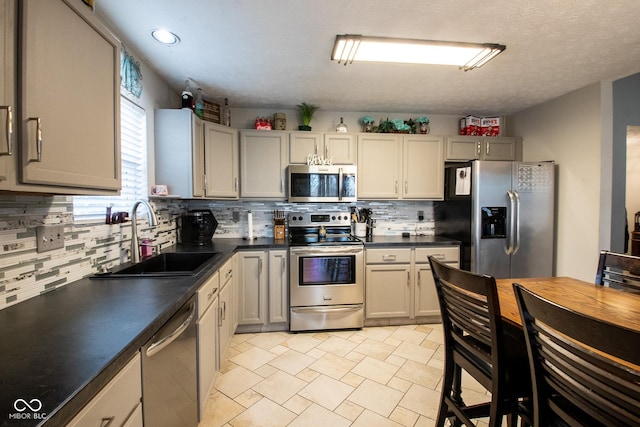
196	227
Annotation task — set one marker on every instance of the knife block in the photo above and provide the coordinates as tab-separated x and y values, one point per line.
278	229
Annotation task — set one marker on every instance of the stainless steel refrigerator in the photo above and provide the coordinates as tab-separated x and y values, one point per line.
503	213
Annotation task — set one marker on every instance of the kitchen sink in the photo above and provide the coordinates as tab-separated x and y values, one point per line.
163	265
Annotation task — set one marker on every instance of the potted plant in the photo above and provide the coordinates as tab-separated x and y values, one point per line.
306	113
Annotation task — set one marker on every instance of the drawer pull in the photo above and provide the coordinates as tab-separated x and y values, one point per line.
106	421
388	257
9	127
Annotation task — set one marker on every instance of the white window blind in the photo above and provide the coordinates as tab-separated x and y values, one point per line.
133	147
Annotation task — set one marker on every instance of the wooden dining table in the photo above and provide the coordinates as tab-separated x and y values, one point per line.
613	305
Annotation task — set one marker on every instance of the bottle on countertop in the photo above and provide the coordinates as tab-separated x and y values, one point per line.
187	97
199	102
226	113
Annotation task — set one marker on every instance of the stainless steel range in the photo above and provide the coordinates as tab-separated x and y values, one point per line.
326	272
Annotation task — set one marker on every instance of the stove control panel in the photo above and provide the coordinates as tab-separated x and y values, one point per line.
307	219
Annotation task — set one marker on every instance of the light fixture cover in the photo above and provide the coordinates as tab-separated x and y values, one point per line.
165	36
466	56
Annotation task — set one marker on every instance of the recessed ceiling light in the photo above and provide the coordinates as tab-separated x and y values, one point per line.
165	36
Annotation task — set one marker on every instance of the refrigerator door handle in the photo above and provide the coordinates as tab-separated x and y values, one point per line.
516	236
512	223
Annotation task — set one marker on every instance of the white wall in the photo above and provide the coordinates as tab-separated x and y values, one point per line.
155	94
568	130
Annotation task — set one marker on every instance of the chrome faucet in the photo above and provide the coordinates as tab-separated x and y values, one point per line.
153	221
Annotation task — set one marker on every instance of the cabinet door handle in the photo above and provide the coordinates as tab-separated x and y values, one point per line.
486	151
315	148
106	421
9	126
38	140
418	278
259	266
406	186
396	186
281	185
282	264
219	316
408	278
235	183
478	148
224	310
388	257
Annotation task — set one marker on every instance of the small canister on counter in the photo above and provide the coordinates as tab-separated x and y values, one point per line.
280	121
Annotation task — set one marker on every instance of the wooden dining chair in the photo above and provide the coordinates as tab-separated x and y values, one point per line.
618	271
574	383
477	342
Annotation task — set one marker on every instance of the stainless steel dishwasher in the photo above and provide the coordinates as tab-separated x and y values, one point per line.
169	382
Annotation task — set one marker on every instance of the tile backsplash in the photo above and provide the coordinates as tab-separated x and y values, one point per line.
25	273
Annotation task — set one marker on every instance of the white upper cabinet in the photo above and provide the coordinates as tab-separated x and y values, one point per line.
264	159
395	166
340	147
466	147
69	108
221	161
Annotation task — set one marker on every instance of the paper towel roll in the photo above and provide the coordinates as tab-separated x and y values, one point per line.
249	225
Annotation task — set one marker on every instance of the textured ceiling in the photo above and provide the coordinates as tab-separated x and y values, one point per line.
276	53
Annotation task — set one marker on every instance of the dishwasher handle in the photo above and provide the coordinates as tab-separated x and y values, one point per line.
157	346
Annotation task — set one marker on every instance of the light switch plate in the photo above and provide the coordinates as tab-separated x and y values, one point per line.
49	237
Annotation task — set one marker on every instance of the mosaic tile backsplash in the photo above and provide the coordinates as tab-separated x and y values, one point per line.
90	247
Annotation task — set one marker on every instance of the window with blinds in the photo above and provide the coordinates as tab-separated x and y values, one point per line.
133	147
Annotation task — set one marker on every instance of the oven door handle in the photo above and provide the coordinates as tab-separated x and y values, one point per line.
340	309
316	250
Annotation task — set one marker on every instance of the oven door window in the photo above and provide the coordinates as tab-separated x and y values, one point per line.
327	270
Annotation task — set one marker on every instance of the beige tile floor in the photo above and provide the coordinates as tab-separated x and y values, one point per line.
381	376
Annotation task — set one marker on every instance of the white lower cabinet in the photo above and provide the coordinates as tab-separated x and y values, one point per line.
388	283
118	403
426	296
399	286
262	290
226	308
207	328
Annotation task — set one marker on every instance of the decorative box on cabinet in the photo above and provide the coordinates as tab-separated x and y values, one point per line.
64	142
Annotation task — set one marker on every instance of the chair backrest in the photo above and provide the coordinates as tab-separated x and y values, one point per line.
618	271
471	320
572	383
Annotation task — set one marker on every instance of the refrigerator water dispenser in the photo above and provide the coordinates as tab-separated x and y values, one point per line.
494	222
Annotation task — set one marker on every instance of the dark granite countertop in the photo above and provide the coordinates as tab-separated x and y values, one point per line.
63	346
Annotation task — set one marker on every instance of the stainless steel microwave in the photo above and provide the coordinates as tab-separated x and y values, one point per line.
315	183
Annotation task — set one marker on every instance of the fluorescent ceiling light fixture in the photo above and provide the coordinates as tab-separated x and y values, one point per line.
165	36
466	56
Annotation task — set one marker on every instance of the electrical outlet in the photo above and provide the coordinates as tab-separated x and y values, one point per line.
420	215
49	237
